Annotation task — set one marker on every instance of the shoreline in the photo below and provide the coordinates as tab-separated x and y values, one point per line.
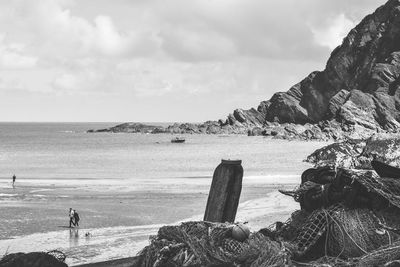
260	206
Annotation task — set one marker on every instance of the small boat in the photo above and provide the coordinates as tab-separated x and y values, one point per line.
178	140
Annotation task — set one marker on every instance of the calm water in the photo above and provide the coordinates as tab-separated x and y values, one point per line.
65	150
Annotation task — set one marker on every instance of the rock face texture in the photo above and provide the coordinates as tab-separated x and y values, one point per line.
358	93
358	154
361	77
360	86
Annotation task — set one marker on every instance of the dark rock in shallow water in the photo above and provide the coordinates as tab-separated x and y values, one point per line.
131	127
33	259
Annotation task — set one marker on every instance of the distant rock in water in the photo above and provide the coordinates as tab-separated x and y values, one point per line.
357	95
131	127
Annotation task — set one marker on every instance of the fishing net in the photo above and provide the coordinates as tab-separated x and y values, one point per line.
206	244
290	229
327	261
335	236
341	233
59	255
388	188
380	256
316	226
312	179
356	232
270	253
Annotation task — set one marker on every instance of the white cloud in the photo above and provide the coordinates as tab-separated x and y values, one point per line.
54	32
107	39
8	84
224	30
12	56
66	81
190	45
137	51
86	77
332	35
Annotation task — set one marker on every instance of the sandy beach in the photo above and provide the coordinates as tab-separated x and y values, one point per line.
119	217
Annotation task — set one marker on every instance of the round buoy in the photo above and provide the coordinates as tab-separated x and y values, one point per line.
240	232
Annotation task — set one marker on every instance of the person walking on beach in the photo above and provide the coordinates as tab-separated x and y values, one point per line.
13	179
76	218
71	217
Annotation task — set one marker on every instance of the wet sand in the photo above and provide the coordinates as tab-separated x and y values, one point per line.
120	217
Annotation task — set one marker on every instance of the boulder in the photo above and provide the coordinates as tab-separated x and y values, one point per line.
256	131
359	153
33	259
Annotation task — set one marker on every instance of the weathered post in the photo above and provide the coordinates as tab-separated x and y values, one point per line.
226	186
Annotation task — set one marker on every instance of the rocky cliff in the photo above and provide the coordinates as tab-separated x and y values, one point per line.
359	86
357	93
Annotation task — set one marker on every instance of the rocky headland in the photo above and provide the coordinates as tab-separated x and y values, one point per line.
356	95
130	127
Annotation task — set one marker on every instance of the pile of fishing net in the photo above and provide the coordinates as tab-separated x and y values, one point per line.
354	217
347	218
335	236
210	244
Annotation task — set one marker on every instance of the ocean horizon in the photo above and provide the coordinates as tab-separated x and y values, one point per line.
65	150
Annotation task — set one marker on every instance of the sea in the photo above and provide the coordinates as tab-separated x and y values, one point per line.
126	185
67	151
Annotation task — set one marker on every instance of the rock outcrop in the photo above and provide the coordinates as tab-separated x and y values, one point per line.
358	93
131	127
358	154
359	88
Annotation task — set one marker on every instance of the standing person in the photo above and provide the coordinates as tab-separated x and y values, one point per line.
14	178
71	217
76	218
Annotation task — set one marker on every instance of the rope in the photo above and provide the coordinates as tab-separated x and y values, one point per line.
387	232
327	232
341	231
384	225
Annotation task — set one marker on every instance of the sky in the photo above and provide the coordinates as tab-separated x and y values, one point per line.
161	60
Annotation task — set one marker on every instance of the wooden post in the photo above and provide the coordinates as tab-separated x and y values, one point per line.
226	186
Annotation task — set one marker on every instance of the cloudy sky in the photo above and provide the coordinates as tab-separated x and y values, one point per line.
160	60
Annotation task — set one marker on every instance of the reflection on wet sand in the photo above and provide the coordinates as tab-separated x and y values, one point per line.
73	237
